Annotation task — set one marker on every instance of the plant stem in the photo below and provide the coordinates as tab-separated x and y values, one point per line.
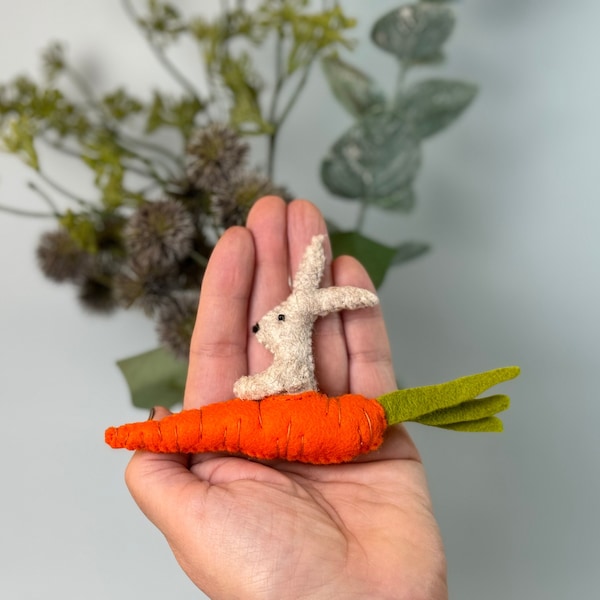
161	56
26	213
400	81
198	258
45	197
364	205
295	95
64	191
272	115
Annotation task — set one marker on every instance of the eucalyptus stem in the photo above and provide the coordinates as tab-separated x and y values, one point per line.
162	58
400	80
362	215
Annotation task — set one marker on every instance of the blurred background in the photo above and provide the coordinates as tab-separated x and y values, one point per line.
508	197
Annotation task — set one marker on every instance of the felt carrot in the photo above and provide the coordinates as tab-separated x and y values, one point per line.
313	428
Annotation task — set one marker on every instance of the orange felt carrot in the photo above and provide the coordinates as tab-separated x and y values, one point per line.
308	427
314	428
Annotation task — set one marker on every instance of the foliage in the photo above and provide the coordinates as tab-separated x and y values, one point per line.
144	238
377	159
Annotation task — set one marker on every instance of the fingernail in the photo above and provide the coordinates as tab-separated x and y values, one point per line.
151	415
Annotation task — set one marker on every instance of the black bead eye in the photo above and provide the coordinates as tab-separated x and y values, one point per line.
281	317
255	328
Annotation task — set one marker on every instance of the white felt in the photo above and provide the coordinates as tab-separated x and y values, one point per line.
286	330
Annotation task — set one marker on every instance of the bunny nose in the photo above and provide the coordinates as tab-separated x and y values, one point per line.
255	328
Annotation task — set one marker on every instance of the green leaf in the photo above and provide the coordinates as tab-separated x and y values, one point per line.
432	105
414	33
356	91
121	105
377	159
18	138
169	112
82	230
409	251
411	404
375	257
402	199
155	378
243	81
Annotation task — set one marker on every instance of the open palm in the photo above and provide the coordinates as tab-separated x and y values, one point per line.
245	529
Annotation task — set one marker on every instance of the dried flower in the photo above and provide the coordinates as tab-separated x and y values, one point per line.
214	154
143	289
175	322
97	295
230	204
60	257
159	234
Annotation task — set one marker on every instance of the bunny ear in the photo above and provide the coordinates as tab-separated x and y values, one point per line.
311	266
347	297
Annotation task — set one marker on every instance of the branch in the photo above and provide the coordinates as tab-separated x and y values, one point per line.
161	56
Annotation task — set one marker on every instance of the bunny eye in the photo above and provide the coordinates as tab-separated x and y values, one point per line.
281	317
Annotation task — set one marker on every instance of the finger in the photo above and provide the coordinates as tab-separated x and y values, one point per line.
305	221
268	224
369	354
218	347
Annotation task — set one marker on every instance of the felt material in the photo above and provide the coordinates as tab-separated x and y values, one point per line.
286	330
487	424
413	403
471	410
308	427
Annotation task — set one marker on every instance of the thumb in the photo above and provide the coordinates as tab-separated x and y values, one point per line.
161	484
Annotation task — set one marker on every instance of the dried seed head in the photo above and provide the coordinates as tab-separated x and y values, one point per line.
60	257
97	295
148	290
175	322
230	204
159	234
214	154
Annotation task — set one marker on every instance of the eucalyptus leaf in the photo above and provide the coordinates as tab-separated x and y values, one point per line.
402	199
414	33
155	378
376	159
409	251
433	104
358	93
375	257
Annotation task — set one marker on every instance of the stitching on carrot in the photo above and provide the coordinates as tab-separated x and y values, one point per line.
282	402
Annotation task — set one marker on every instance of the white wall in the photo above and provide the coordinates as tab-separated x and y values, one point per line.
508	197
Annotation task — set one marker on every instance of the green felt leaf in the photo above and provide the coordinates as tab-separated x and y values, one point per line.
412	403
492	424
409	251
414	33
155	378
358	93
377	159
375	257
433	104
472	410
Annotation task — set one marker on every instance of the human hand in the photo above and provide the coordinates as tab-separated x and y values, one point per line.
245	529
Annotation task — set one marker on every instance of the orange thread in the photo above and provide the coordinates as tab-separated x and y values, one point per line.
312	432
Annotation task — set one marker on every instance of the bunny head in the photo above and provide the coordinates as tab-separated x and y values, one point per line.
286	330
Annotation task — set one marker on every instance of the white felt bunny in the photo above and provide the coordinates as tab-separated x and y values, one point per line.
286	330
